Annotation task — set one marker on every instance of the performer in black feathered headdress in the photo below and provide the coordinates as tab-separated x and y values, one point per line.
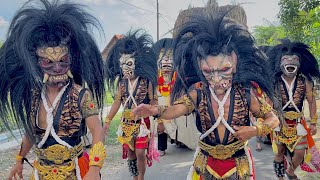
134	63
296	71
213	36
136	45
47	57
222	55
166	75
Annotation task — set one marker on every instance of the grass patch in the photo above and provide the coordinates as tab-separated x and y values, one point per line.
108	99
112	138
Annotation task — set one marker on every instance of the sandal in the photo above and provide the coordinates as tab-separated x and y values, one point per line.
258	147
162	153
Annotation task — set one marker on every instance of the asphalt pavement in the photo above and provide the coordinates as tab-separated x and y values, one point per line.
176	163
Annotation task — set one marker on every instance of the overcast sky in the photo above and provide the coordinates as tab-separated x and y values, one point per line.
117	17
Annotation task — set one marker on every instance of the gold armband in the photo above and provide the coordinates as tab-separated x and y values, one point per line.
185	100
117	97
263	129
161	110
314	119
19	158
107	120
89	108
264	109
97	155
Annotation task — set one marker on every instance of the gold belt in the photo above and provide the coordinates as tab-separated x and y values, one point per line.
222	152
292	115
126	114
58	154
129	129
288	135
289	131
56	172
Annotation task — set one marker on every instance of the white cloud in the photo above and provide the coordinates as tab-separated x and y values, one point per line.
100	2
3	22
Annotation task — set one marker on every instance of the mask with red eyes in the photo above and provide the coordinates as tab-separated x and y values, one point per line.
218	71
55	63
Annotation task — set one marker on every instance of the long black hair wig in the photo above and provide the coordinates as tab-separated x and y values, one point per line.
42	23
138	43
215	34
163	45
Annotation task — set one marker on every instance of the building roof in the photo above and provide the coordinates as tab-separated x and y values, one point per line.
111	43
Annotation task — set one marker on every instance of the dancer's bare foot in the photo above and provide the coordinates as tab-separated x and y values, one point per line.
290	174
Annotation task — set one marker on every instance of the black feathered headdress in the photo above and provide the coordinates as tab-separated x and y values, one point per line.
211	35
140	44
163	46
308	63
43	23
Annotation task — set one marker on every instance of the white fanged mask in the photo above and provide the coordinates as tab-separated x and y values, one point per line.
290	65
166	65
127	64
166	61
55	62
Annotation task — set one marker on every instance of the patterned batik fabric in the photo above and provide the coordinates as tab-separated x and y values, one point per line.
288	131
207	167
71	119
240	116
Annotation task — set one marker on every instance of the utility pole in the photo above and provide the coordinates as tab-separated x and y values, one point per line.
157	20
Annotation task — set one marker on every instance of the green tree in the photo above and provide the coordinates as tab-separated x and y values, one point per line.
312	31
268	35
301	21
293	16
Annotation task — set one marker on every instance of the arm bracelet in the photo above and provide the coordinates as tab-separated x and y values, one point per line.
161	110
314	119
97	155
107	120
263	129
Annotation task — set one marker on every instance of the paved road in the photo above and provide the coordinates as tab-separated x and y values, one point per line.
176	164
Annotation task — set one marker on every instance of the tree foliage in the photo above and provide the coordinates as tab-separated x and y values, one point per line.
268	35
293	16
300	21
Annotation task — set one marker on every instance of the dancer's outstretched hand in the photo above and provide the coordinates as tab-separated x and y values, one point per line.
244	133
313	129
144	110
16	171
93	173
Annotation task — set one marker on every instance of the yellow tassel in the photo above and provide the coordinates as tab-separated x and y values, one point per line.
274	147
307	159
195	176
274	144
